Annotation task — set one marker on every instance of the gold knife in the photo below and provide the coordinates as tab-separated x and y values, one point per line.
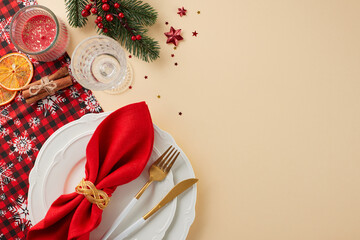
174	192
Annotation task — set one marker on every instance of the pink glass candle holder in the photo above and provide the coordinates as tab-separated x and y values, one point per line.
35	30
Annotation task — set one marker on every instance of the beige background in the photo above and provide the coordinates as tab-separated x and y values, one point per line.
269	92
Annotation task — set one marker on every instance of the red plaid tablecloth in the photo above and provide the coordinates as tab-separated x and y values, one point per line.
24	129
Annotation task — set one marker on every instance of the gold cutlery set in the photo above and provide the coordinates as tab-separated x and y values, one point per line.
157	171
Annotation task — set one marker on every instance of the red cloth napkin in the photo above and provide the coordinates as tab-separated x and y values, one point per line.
116	154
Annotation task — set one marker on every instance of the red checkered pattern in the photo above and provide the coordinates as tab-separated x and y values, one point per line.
24	129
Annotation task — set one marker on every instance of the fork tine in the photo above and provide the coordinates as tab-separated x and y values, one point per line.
162	155
162	163
167	169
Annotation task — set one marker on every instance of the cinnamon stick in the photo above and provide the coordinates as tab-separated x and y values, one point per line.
62	72
60	84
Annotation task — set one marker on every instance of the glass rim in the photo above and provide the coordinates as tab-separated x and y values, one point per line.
33	7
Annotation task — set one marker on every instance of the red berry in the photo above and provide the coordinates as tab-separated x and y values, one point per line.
138	37
104	1
106	7
92	0
116	5
100	25
121	15
85	13
109	17
94	10
99	18
88	7
105	30
133	38
97	21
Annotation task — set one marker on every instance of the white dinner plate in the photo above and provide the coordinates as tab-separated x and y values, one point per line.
68	167
185	210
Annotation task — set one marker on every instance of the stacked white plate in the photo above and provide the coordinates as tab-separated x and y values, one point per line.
59	167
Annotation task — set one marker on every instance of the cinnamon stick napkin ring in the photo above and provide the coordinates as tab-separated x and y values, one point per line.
92	194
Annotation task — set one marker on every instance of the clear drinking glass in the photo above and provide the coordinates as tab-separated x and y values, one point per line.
99	63
54	36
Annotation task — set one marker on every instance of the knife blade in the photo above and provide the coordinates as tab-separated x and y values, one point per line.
174	192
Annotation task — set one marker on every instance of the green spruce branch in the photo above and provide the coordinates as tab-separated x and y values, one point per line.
138	15
73	9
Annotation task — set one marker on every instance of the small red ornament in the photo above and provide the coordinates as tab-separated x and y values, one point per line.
173	36
106	7
195	34
100	25
94	10
138	37
133	38
88	7
92	0
109	17
105	30
99	18
85	13
121	15
104	1
182	11
116	5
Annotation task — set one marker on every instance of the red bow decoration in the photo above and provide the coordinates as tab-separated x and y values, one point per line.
116	154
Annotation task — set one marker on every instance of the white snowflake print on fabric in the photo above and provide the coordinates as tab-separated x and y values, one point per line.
17	122
74	93
4	114
20	212
5	174
27	2
19	98
50	104
22	144
5	29
34	122
90	103
3	131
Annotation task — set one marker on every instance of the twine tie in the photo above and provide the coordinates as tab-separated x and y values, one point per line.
46	84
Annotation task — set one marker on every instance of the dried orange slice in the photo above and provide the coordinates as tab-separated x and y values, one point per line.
16	71
6	96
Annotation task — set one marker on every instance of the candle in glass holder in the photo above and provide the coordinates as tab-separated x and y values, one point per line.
35	30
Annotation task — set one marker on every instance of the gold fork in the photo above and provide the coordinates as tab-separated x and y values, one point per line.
157	171
160	168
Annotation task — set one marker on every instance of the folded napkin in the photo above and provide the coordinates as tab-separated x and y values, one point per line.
116	154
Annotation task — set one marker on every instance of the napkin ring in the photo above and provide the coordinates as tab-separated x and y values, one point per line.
92	194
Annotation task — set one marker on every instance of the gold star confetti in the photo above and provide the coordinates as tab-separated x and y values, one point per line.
158	96
174	48
198	12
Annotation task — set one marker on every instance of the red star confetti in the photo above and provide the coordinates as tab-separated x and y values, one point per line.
166	23
176	64
172	55
130	87
130	56
173	36
182	11
146	77
180	113
195	34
